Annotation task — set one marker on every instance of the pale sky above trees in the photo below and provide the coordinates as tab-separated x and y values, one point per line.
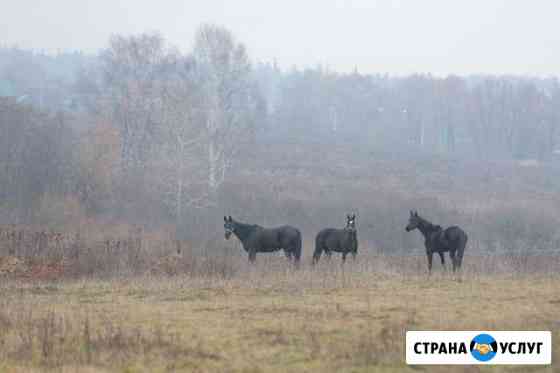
387	36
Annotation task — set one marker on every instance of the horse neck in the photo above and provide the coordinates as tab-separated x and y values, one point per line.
349	235
242	230
426	227
353	236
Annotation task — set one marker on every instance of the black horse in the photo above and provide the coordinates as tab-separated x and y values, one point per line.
439	240
256	239
340	240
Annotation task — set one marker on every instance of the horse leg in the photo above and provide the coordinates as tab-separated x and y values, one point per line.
296	254
344	256
294	257
252	255
459	259
453	259
429	255
442	259
317	255
288	254
354	253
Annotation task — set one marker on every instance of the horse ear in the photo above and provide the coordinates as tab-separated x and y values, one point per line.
416	213
225	218
353	216
411	213
230	219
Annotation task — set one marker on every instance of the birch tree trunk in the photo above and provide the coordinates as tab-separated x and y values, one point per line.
212	166
224	74
179	196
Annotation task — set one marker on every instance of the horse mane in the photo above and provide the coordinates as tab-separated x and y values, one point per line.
244	229
429	225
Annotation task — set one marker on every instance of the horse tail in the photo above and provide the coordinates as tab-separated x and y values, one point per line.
318	247
297	247
463	238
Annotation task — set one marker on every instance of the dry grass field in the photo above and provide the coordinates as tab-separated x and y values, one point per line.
270	317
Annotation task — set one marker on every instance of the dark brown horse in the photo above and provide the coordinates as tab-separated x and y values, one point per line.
256	239
338	240
439	240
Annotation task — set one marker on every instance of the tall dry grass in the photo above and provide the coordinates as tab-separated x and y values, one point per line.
270	316
137	252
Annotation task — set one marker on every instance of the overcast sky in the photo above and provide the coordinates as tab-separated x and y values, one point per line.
386	36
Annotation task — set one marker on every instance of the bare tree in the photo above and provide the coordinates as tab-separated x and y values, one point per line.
229	99
182	142
134	69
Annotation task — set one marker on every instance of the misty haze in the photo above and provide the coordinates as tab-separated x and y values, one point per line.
258	186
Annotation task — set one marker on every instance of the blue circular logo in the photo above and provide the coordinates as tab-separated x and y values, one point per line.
483	347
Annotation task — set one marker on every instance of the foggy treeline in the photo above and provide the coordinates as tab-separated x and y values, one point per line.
149	134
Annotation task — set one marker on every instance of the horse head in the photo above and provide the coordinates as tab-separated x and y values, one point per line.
229	226
350	223
413	221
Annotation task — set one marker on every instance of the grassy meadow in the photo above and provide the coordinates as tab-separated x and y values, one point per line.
270	317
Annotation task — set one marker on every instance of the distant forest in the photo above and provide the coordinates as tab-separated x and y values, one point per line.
492	117
144	121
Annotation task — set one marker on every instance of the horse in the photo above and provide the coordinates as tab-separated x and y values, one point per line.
256	239
339	240
439	240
